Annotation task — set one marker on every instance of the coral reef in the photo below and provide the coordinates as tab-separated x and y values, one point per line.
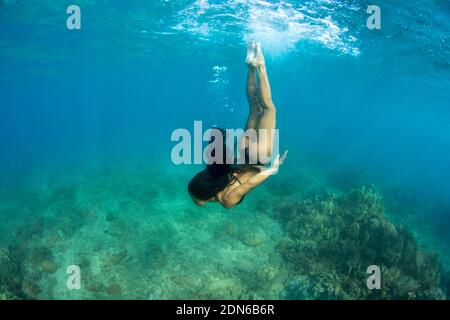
134	241
332	241
11	276
48	266
314	287
254	238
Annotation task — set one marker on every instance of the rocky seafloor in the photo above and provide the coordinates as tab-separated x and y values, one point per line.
135	234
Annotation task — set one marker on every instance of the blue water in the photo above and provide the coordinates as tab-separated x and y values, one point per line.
357	106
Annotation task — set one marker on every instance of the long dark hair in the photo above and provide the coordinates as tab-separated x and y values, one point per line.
215	177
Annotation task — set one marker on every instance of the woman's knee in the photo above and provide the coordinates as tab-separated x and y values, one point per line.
269	106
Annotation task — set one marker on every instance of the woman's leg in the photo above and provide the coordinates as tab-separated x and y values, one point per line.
255	108
248	143
262	116
267	119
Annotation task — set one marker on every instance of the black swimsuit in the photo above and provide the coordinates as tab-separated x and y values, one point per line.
237	179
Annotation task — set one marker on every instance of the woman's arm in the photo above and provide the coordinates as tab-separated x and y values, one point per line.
234	196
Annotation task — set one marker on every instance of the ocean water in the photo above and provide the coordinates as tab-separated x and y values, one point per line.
86	176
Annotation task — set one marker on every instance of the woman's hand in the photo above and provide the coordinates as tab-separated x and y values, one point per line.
275	165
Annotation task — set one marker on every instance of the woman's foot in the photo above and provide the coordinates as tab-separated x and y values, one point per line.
250	60
255	57
260	61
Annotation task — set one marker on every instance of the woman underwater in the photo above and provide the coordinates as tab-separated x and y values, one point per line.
229	183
